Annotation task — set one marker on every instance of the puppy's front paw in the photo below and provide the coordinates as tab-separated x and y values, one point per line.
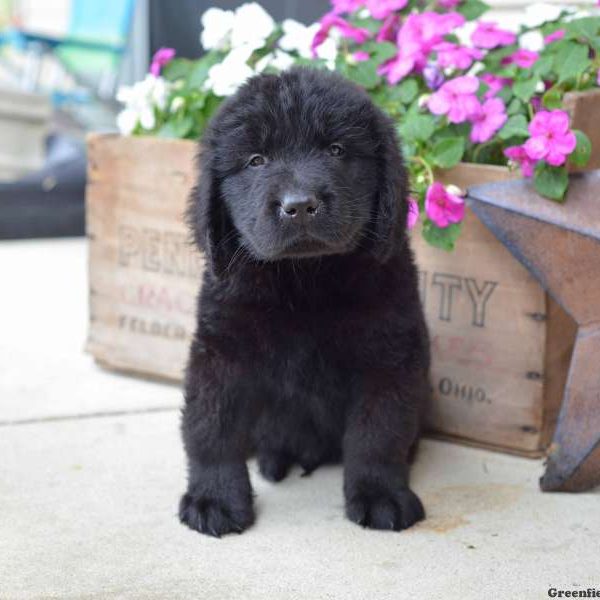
215	516
379	509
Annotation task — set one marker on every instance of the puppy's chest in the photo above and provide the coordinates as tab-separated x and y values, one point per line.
317	341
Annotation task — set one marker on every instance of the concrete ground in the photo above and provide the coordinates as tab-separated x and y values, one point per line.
91	469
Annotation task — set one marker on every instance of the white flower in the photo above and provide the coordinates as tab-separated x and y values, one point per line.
226	77
159	92
328	52
127	121
539	13
455	190
278	60
532	40
141	101
422	100
252	25
577	14
216	28
297	37
177	103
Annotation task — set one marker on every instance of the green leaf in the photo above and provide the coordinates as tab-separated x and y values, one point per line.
177	128
543	66
197	102
453	130
515	107
364	73
524	90
581	155
572	62
552	98
393	98
178	68
505	94
380	51
407	90
417	127
211	105
366	23
551	182
515	126
471	9
199	72
586	28
444	238
447	152
595	43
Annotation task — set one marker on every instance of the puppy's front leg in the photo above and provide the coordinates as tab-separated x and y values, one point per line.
217	419
381	428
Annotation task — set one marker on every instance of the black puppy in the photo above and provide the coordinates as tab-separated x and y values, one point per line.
311	343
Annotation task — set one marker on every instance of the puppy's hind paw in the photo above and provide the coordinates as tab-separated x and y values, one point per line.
396	511
214	517
274	466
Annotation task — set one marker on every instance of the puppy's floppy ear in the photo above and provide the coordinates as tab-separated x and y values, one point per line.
207	216
391	207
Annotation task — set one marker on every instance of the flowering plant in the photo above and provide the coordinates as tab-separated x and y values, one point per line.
459	87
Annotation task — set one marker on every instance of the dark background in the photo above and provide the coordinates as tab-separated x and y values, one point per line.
176	23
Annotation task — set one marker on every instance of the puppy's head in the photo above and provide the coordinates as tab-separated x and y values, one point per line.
298	165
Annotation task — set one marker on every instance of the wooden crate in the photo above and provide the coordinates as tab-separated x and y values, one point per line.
500	345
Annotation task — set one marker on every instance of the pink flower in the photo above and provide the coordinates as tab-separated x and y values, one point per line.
161	57
598	75
494	83
449	3
389	29
559	34
398	67
413	213
551	139
518	155
442	207
453	55
330	20
346	6
489	35
436	25
488	120
361	56
456	99
381	9
522	58
416	39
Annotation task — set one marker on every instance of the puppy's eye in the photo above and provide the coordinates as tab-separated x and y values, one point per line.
336	150
257	160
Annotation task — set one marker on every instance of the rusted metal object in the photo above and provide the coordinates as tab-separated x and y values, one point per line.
560	245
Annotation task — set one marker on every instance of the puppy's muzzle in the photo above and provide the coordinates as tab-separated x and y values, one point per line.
299	208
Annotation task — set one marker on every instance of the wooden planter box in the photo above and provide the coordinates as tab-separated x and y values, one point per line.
501	346
24	121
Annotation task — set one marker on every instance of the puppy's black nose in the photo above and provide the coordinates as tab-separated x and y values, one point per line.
301	207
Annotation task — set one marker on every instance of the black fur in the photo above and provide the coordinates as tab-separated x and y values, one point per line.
311	344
